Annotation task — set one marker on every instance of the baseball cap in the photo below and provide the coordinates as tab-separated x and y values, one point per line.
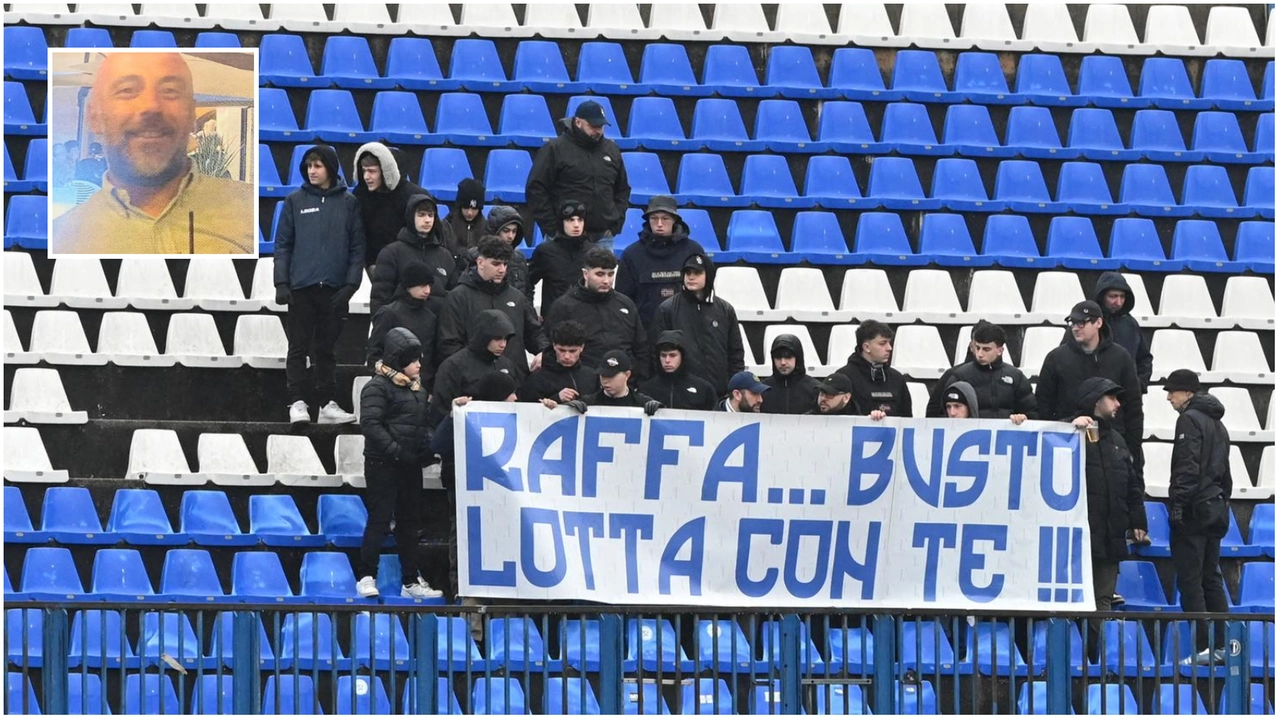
1085	310
1182	379
747	380
695	261
592	112
615	361
835	384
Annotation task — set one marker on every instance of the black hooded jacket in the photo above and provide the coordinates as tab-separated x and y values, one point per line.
612	323
393	409
466	235
1001	390
679	390
410	314
383	210
882	388
649	269
459	372
518	266
320	239
1113	486
553	377
1124	328
968	394
575	166
794	394
710	326
1201	467
410	247
1067	366
557	263
473	296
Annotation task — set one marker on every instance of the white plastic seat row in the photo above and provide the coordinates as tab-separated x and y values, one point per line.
38	397
348	462
156	457
1239	416
917	350
1156	473
1237	357
25	458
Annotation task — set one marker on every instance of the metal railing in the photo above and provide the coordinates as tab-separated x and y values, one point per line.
577	659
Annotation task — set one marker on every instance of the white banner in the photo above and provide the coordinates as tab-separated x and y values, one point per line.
720	509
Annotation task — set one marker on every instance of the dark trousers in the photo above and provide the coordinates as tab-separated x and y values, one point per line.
392	491
1195	560
312	325
1105	574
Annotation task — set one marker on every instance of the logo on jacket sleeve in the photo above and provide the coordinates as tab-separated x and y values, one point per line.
308	211
1006	380
442	271
624	311
511	303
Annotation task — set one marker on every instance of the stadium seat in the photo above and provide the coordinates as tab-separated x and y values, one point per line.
516	644
442	169
461	119
1109	28
1231	31
957	184
28	222
284	62
14	354
188	576
25	459
156	457
289	694
945	240
968	129
767	182
119	576
721	645
1145	189
1031	133
1185	302
455	648
1257	588
644	171
498	696
213	695
138	517
1238	358
1247	301
570	696
326	577
710	697
1020	186
895	185
1157	136
804	24
1262	528
80	283
37	396
49	574
539	68
1173	349
124	339
1007	241
1053	296
36	172
1264	138
82	37
17	523
994	295
1141	588
20	697
211	40
1170	30
153	39
1037	342
843	127
602	66
1104	82
225	460
702	180
446	700
818	239
1255	246
412	64
1227	86
718	126
1218	136
867	24
881	239
389	643
99	641
1126	650
741	22
70	518
803	296
206	517
293	460
908	130
276	521
791	72
1093	132
11	182
914	698
930	296
213	284
980	79
1207	192
1198	244
398	118
829	182
552	20
474	63
855	73
918	77
741	286
656	125
666	71
341	519
85	694
1260	190
731	71
258	577
1110	698
996	653
362	695
1033	698
812	360
753	236
781	126
1041	80
26	53
1073	244
1178	700
1164	83
505	175
19	118
918	351
348	454
1157	531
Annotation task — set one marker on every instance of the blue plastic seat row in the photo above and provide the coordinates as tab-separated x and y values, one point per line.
1143	591
1261	533
35	174
19	118
26	50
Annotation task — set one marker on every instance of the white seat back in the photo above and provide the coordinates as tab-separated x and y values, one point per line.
1230	30
927	24
1169	27
25	459
225	460
869	23
842	344
812	360
156	457
552	19
1049	26
994	297
918	352
931	297
177	15
620	21
429	19
803	295
21	284
58	335
39	398
348	459
361	18
677	21
1159	417
1054	295
125	338
80	283
988	26
804	22
1248	302
739	22
1238	357
260	341
213	284
1173	349
1110	29
1239	417
145	284
742	288
193	339
243	16
491	19
1185	302
866	292
1157	459
1037	342
293	460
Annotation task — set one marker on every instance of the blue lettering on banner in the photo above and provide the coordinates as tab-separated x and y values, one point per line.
879	464
690	534
1061	553
505	577
594	454
1051	442
661	456
584	526
494	468
1018	446
746	437
933	537
749	528
972	561
530	518
561	433
632	529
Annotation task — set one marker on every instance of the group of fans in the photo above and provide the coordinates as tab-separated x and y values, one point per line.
454	320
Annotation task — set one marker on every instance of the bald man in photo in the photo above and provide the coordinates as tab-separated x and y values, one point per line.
153	200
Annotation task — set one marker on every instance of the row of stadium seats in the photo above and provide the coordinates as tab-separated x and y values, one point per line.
1046	26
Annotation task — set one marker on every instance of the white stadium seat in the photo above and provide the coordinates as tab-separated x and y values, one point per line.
1173	349
491	20
1240	419
225	460
1230	31
962	345
749	356
1157	457
1185	302
358	384
1238	358
243	16
740	22
213	284
931	297
868	24
1170	31
365	18
1142	310
177	15
918	352
987	25
41	14
13	352
1109	28
429	19
110	14
25	459
866	293
260	341
125	339
1054	295
1271	28
156	457
1248	302
842	344
1159	417
193	340
79	282
359	302
994	297
264	289
552	20
805	24
1265	487
928	26
1235	460
1037	342
302	17
293	461
919	398
803	297
58	338
145	284
620	21
39	398
1047	26
812	360
740	286
348	459
678	21
21	284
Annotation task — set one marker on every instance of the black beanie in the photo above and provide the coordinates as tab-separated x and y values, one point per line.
470	194
415	274
495	387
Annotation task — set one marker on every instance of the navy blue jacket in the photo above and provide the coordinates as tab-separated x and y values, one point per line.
649	270
320	240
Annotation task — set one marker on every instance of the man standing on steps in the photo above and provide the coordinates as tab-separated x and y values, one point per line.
384	194
1115	297
649	271
319	262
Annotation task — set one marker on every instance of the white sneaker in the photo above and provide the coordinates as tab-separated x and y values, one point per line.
367	587
299	413
420	591
331	414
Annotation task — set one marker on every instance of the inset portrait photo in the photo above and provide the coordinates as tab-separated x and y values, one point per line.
153	152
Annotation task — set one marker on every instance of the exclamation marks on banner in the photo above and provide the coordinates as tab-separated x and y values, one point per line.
1061	576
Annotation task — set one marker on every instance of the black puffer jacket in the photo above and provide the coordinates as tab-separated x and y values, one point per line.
412	315
649	270
393	409
1001	389
1112	484
1124	328
382	210
679	390
574	166
412	247
473	296
612	323
459	372
794	394
518	267
557	263
466	234
553	377
710	326
882	388
320	239
1201	467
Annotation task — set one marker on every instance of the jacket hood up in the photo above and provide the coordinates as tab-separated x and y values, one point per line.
329	157
792	343
710	290
398	343
390	168
1112	280
490	325
410	234
969	394
1207	404
504	215
674	337
1092	390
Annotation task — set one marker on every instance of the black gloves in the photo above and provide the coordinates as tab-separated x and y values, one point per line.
342	297
1175	517
425	456
576	405
652	407
283	294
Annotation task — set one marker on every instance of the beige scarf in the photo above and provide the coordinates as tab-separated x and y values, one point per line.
396	376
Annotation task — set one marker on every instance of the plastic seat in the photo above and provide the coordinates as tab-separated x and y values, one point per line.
1218	136
139	518
908	130
455	648
1255	246
258	577
881	239
19	119
1231	31
724	647
153	39
446	701
730	70
341	519
1164	83
958	186
995	649
1041	80
1053	296
1157	136
1248	302
1260	191
570	696
1135	244
213	695
206	517
644	171
980	79
1021	187
930	297
288	694
994	295
442	169
348	453
28	222
830	183
553	20
843	127
213	284
225	460
119	576
124	339
284	62
293	460
1037	342
918	351
665	70
581	642
348	63
803	296
1198	244
362	695
945	240
1073	244
1240	418
539	68
38	397
516	644
602	66
1083	188
1170	30
17	523
474	63
1127	651
1226	85
1031	133
1093	131
895	185
49	574
818	239
741	287
989	27
276	521
156	457
718	126
912	699
98	641
968	129
1105	82
498	696
26	53
505	175
791	72
70	517
461	119
868	24
1262	528
25	459
1141	588
656	125
781	125
1008	241
397	117
20	697
703	180
767	182
210	40
1264	139
1178	700
35	173
326	577
1257	588
1207	192
918	77
79	282
1238	358
804	24
188	575
710	697
1110	699
11	182
1110	29
82	37
412	64
855	73
753	236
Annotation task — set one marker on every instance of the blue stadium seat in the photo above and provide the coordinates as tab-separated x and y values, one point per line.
700	228
1233	544
1145	189
189	576
1105	83
1157	516
631	226
1110	699
342	519
790	71
209	40
603	67
644	171
461	120
995	649
945	241
656	125
781	125
767	182
171	634
27	225
213	695
1073	242
1038	658
283	62
753	236
1262	529
609	115
446	700
362	695
525	120
1141	588
968	129
703	180
98	641
139	518
20	696
843	127
569	696
581	639
1264	138
717	125
730	70
1008	241
348	63
1083	188
1157	136
277	119
1259	701
455	649
19	119
1032	133
1041	80
710	696
1198	244
1227	86
205	516
539	67
12	184
153	39
1178	700
722	646
327	577
287	694
475	64
1269	82
1020	186
17	523
259	577
222	640
817	238
855	73
880	238
829	182
1218	136
412	64
119	576
308	642
957	184
85	695
1135	243
665	70
908	130
82	37
498	696
895	185
1164	83
389	643
1093	132
442	169
766	698
912	699
1033	698
505	175
918	77
852	648
276	521
24	630
515	643
70	517
397	118
643	699
927	649
980	79
1126	650
1207	192
25	53
1260	190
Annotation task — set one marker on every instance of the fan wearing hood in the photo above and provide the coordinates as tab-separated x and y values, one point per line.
709	324
562	377
421	240
467	219
505	222
673	385
1115	297
383	193
960	402
649	271
485	353
557	261
792	390
411	311
610	318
